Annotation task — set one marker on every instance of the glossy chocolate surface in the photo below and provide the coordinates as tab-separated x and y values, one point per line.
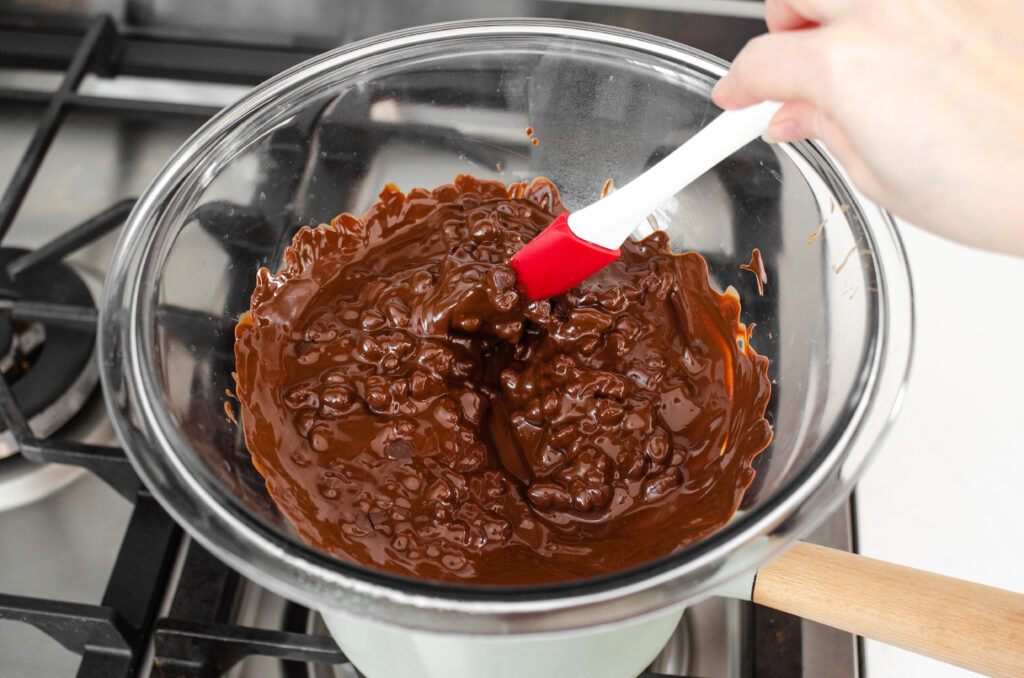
756	266
412	412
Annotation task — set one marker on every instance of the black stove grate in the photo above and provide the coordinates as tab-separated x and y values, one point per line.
124	635
114	636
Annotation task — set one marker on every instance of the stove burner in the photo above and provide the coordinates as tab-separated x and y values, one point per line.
50	368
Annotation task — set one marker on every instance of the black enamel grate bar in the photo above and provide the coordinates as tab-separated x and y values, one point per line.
84	102
79	236
108	463
59	315
35	46
221	646
31	160
112	637
136	585
194	641
73	625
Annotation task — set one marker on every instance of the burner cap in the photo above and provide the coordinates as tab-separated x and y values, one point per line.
53	386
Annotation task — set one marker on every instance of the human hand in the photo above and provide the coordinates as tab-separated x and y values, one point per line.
921	101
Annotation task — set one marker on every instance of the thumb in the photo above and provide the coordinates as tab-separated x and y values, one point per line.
798	120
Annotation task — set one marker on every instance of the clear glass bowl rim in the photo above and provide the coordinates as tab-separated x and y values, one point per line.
224	526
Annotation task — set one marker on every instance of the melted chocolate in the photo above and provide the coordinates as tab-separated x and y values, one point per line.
756	266
412	412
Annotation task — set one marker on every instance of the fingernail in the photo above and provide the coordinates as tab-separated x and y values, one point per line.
786	130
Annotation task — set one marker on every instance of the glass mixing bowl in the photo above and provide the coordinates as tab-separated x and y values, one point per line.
416	108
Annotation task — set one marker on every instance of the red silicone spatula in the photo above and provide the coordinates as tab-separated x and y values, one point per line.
577	245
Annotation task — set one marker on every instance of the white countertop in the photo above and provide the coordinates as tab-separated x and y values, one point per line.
943	493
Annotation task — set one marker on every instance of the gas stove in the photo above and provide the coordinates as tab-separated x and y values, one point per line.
95	578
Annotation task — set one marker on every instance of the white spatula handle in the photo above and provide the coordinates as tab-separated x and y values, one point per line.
609	221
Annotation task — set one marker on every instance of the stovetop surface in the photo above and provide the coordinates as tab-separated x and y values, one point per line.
97	564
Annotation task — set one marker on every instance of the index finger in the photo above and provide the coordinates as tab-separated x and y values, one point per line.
776	66
788	15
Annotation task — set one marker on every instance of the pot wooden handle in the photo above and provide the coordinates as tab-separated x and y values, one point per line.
978	627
